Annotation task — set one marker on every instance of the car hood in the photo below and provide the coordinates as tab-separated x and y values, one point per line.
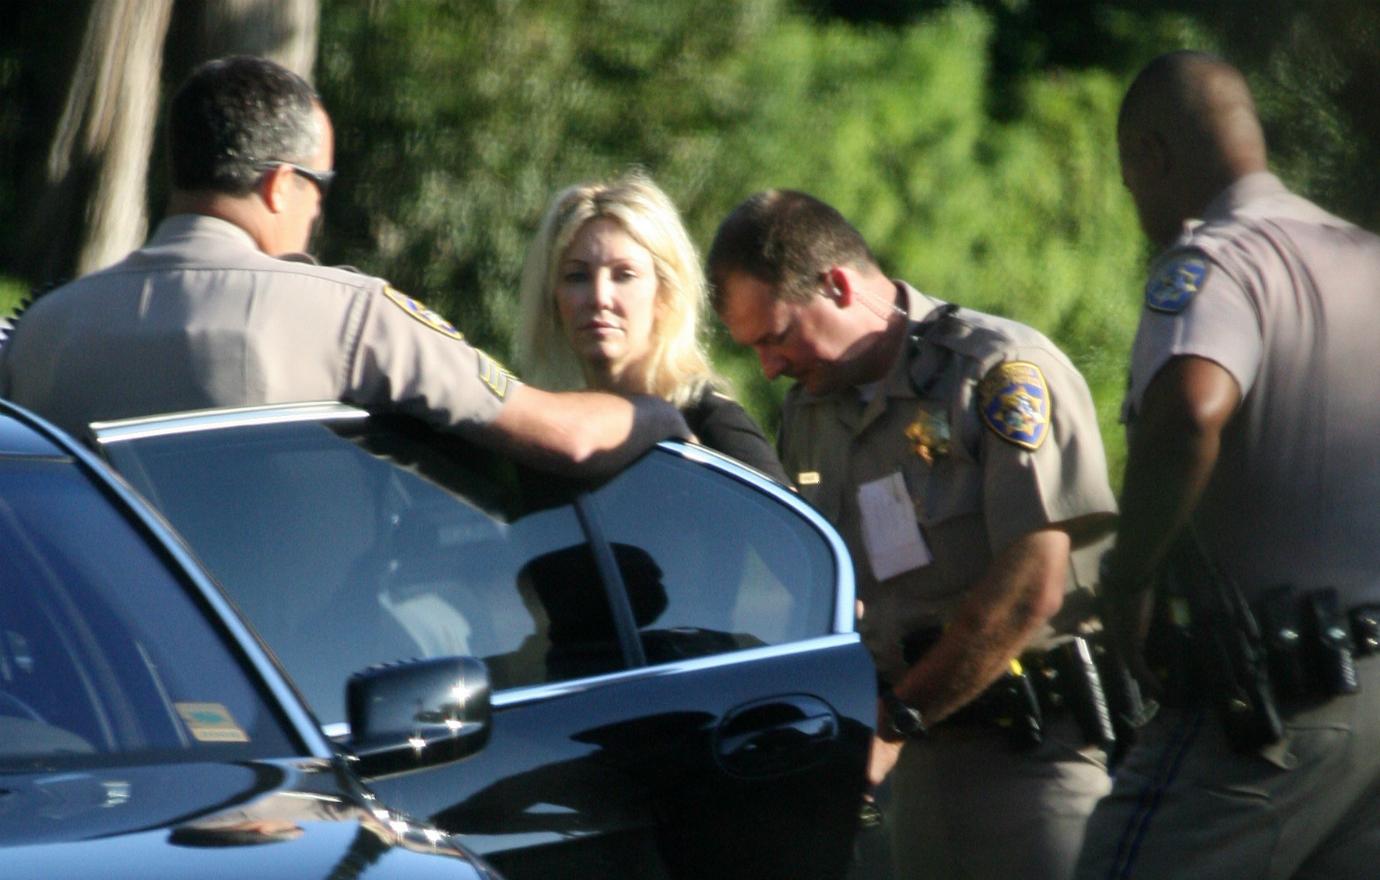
262	820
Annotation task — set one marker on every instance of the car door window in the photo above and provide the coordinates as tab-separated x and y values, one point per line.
713	564
373	541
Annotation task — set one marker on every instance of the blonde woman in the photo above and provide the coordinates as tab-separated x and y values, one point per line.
612	295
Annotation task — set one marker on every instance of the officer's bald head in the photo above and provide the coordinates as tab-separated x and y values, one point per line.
1187	129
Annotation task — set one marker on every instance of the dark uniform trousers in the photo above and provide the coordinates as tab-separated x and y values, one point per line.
1186	805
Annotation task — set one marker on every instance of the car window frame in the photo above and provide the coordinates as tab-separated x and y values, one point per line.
105	435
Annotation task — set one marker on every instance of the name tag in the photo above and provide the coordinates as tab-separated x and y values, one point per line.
891	536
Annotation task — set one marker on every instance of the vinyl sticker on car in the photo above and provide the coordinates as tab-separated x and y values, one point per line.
211	722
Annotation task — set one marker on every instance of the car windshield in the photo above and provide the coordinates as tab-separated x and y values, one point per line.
106	659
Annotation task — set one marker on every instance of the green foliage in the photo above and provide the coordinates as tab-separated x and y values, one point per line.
458	122
969	140
1315	71
12	291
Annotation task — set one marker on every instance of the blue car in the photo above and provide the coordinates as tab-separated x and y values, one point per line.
144	731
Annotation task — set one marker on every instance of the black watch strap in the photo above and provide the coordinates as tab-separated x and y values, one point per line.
906	720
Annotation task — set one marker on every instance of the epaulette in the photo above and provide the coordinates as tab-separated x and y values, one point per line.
920	334
933	320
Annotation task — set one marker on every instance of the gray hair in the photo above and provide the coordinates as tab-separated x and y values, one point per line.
234	114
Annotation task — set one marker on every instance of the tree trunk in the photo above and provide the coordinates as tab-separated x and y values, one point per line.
93	211
94	203
284	31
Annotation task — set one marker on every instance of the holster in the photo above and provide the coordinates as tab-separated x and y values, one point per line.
1210	647
1070	678
1127	705
1311	645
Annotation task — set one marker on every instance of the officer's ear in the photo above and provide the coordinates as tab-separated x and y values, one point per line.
273	187
838	286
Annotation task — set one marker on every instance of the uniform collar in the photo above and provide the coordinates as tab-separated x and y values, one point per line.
178	226
919	306
1227	204
1243	191
896	383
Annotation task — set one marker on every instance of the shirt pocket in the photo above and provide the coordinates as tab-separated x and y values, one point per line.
951	488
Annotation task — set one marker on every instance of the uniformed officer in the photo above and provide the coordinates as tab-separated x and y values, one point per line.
959	456
208	313
1252	421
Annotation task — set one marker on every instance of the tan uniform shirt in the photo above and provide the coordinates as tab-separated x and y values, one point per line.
1023	452
1285	297
200	317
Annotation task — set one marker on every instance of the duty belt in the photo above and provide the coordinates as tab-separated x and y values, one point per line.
1283	653
1036	688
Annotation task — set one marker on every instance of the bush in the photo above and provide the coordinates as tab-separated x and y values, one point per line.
12	292
456	123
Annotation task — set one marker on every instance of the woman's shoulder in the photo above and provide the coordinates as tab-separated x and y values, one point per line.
708	405
721	423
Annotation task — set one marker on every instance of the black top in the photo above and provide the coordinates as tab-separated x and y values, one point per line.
721	424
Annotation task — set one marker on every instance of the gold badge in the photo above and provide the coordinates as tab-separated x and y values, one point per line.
930	435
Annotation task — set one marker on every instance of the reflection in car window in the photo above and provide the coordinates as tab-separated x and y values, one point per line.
712	564
380	543
104	659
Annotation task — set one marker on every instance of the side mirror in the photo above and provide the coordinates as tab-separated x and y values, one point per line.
420	713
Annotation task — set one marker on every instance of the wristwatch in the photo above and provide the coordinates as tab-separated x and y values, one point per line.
906	720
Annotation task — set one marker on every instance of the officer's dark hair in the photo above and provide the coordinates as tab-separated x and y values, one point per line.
232	115
787	239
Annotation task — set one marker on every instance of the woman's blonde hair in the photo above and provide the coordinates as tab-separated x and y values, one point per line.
678	368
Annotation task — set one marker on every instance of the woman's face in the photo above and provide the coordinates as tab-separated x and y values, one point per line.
606	294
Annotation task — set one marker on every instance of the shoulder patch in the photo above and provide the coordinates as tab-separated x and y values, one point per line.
1172	288
421	312
494	375
1014	401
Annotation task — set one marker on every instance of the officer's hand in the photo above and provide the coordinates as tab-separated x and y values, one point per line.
882	760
